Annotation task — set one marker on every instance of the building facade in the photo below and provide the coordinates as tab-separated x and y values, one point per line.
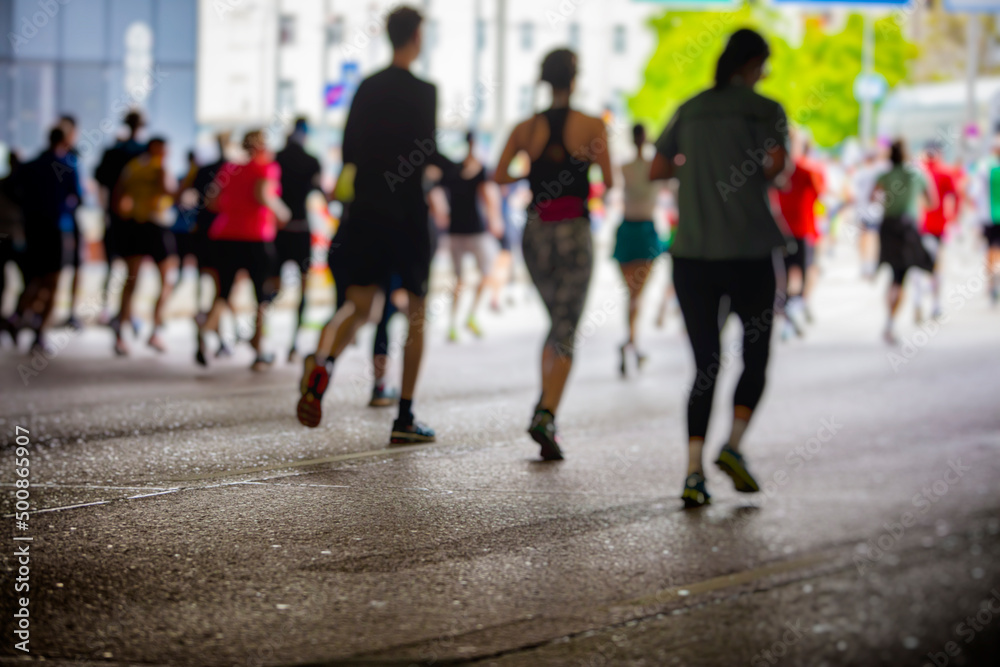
95	59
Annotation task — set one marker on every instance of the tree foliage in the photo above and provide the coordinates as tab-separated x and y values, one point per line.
814	81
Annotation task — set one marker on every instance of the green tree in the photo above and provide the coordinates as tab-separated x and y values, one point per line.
814	81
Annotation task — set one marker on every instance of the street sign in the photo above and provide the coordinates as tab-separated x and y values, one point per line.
870	87
972	6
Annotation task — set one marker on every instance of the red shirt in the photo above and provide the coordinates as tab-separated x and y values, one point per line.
241	217
935	219
798	200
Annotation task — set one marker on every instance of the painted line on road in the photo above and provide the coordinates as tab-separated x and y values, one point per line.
675	593
388	451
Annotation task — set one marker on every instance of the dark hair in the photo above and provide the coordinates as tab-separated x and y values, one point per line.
559	69
157	140
56	137
897	152
470	137
639	133
134	120
402	25
69	119
934	147
743	46
192	157
301	124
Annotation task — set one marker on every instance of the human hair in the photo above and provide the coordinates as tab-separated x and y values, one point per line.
56	137
134	120
68	119
897	152
402	26
639	134
559	69
470	137
158	141
254	142
744	46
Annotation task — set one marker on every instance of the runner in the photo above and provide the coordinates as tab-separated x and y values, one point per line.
558	248
867	211
250	212
143	198
725	145
637	243
388	140
47	194
203	185
73	246
797	202
986	193
900	191
936	222
300	175
470	196
108	172
12	245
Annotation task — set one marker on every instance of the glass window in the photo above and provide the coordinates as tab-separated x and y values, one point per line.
480	34
527	101
286	28
618	39
286	97
527	36
335	32
138	60
574	36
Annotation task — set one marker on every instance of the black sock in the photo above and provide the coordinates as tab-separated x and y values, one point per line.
406	410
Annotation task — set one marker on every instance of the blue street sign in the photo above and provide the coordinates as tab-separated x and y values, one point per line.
870	87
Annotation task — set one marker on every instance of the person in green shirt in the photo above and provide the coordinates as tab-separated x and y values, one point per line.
726	146
901	190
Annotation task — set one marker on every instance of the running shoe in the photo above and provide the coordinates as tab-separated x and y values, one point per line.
695	494
224	351
413	433
293	355
623	368
452	335
262	363
315	380
543	431
473	326
936	314
383	397
732	463
71	323
156	343
640	360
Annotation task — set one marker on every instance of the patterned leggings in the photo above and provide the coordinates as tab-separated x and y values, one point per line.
560	259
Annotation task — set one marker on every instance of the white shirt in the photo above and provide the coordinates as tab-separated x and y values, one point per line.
640	192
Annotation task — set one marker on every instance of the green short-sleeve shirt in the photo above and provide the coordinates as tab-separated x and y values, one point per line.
719	139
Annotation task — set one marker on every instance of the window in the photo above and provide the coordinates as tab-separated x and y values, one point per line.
480	35
335	32
526	103
286	97
138	61
618	39
527	36
574	36
286	30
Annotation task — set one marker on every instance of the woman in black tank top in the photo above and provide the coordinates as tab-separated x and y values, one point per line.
558	250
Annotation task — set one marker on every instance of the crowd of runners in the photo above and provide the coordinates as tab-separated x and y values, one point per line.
749	246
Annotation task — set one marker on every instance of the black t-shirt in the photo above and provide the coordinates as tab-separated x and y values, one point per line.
203	180
113	163
299	176
390	137
464	201
45	193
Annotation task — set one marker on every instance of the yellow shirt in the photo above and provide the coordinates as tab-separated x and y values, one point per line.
144	191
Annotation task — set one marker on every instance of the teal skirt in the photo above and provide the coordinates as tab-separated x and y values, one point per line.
637	240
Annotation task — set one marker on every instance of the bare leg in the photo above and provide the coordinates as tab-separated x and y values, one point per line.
339	331
555	372
635	274
413	353
133	264
166	288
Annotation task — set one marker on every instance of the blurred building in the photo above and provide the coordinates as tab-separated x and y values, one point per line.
263	61
94	59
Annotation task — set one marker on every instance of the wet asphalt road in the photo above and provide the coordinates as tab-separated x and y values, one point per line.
186	518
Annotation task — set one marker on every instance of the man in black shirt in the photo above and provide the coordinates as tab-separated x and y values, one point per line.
389	138
300	175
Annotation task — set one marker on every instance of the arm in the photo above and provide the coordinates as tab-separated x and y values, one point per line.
438	204
515	144
603	157
662	168
665	162
489	194
266	193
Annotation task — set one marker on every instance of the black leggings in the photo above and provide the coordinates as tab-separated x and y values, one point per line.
700	286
